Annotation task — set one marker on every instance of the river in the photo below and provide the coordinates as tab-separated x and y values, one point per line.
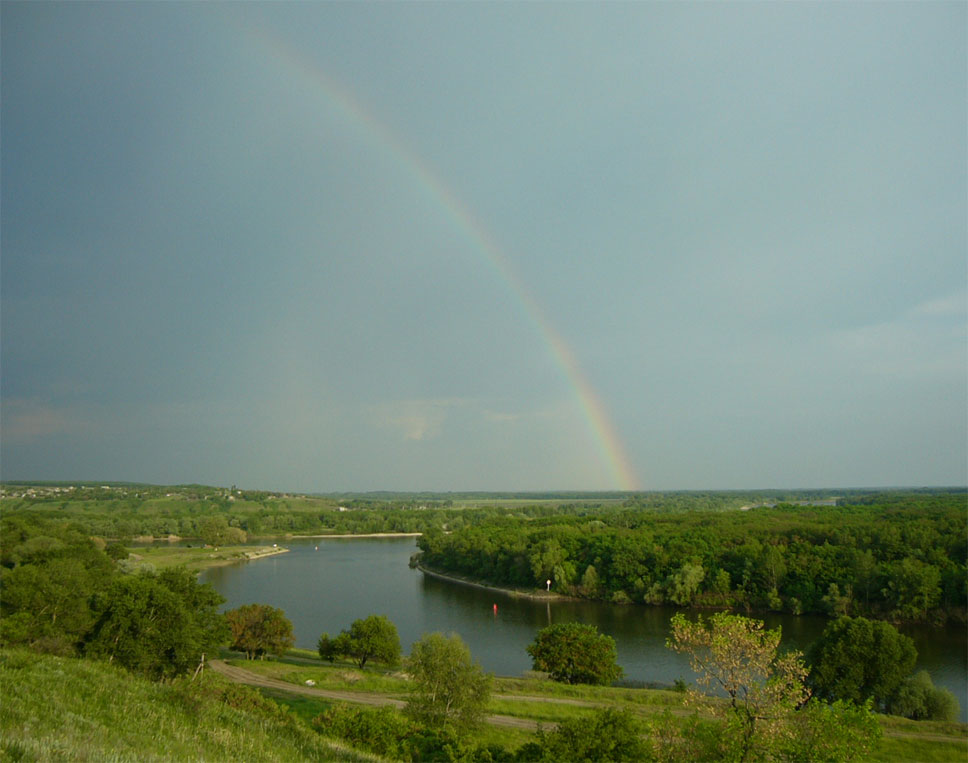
323	585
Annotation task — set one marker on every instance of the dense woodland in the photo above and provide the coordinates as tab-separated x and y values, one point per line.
899	556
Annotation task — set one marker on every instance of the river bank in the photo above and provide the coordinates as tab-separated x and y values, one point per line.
198	559
356	535
281	536
532	595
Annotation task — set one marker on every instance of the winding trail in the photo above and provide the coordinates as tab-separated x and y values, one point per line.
243	676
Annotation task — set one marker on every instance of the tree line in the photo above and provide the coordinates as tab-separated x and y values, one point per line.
123	511
899	557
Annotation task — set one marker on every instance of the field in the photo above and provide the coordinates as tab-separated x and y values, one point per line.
198	558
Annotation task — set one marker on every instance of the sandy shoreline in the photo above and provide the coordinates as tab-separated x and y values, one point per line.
357	535
534	596
250	556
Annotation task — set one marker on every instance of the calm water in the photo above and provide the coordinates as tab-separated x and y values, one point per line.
324	590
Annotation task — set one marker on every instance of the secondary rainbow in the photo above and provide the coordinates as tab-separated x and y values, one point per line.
606	438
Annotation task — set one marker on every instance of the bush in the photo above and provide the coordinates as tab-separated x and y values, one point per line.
608	734
385	732
920	699
575	653
381	729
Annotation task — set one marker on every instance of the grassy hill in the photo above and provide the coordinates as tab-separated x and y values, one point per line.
62	709
56	708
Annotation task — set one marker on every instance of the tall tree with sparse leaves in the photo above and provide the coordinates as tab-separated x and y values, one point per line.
767	714
449	689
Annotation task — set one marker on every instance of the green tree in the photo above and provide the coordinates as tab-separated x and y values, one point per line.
207	628
739	657
147	627
448	688
913	587
837	605
549	561
589	581
684	584
49	573
575	653
215	531
858	659
47	605
116	551
326	647
374	637
258	629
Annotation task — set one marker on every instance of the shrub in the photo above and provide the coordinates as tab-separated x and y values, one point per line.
575	653
378	729
608	734
920	699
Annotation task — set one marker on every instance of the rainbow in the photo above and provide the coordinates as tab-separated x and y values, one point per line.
608	444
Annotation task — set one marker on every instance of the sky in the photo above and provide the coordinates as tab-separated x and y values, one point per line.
484	246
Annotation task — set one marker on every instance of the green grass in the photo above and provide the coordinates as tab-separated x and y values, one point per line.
195	558
60	709
542	712
305	707
544	687
338	677
893	749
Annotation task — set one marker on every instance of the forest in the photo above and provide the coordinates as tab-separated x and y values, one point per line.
897	556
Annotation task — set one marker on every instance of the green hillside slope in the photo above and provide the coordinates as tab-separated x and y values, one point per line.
59	709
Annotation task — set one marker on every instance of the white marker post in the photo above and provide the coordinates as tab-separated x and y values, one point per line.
549	586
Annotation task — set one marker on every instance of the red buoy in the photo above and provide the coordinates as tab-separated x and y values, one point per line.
495	609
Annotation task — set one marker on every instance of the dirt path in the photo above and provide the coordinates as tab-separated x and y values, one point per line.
243	676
